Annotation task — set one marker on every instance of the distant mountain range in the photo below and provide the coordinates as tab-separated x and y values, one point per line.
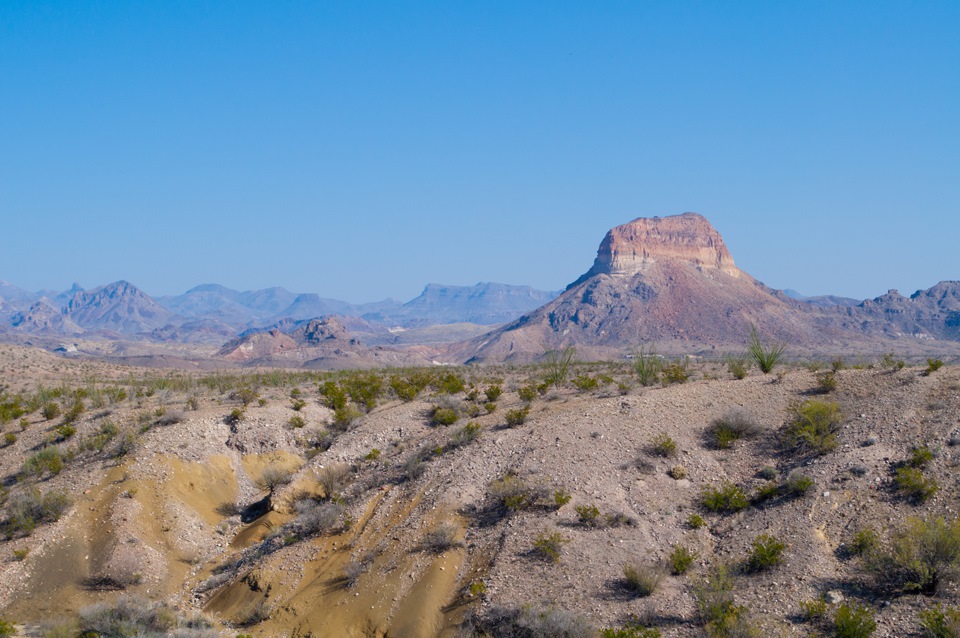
211	313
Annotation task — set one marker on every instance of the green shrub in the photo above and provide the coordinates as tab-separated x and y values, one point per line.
548	546
585	383
346	416
911	482
46	460
940	622
733	426
826	382
864	542
696	521
493	392
296	422
64	432
9	438
813	426
21	554
464	436
767	553
725	499
765	356
854	622
647	364
681	558
133	616
516	417
890	362
527	393
932	366
364	388
738	365
50	411
718	614
630	631
767	472
814	609
557	363
642	580
298	404
444	416
236	416
920	457
30	508
676	372
450	383
514	494
372	455
588	515
561	497
923	556
7	629
333	395
766	492
663	445
798	484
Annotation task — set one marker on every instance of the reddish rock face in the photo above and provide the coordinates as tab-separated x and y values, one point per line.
632	248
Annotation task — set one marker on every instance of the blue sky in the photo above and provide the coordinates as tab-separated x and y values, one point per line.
363	149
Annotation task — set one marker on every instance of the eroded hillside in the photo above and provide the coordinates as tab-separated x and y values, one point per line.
453	501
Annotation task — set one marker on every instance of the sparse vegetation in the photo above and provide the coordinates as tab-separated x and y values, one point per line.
557	364
813	426
730	428
765	356
738	365
675	372
726	498
588	515
695	521
932	366
30	508
663	445
940	622
826	382
765	554
922	557
516	417
647	364
681	558
854	622
911	482
548	546
642	579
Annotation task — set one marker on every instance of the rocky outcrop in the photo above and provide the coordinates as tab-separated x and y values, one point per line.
41	318
119	307
635	247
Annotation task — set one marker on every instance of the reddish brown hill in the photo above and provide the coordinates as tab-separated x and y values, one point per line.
667	280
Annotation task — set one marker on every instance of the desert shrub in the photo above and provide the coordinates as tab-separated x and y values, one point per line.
864	542
923	556
726	498
940	622
695	521
516	417
171	418
765	356
527	393
854	622
315	518
630	631
298	404
6	628
493	392
675	372
730	428
450	383
932	366
767	472
444	416
663	445
813	426
273	476
738	365
464	436
798	484
766	553
31	507
548	546
826	382
557	364
561	497
514	494
647	364
677	472
64	432
766	492
21	554
889	361
364	388
681	558
585	383
920	456
50	411
814	609
588	515
716	609
333	479
533	622
296	422
9	438
46	460
911	482
133	616
345	417
333	396
642	579
372	455
441	539
236	416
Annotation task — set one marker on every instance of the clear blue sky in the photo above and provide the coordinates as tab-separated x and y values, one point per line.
363	149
